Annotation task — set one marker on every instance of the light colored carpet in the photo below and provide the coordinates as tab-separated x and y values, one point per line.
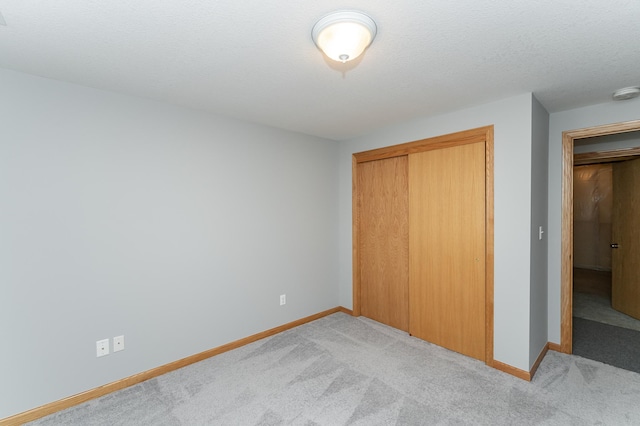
341	370
598	308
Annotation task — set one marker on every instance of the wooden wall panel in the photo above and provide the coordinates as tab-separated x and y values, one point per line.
383	241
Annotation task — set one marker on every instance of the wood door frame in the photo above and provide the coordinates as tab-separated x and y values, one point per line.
566	277
481	134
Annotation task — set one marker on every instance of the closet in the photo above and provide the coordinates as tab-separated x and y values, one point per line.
423	239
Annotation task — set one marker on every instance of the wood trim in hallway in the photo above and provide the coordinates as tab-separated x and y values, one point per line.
605	156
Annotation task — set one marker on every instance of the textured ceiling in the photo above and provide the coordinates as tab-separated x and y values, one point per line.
255	60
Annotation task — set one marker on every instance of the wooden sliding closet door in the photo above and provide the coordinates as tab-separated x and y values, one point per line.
384	240
447	247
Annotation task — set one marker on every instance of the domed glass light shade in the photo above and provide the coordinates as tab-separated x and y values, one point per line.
344	35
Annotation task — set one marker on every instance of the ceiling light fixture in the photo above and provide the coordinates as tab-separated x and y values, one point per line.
626	93
343	35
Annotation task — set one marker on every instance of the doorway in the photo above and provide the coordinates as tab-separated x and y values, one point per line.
605	281
568	142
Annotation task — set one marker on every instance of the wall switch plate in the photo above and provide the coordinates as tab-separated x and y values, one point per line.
118	343
283	299
102	347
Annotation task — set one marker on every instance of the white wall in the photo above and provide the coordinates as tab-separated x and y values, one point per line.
175	228
594	115
539	252
512	119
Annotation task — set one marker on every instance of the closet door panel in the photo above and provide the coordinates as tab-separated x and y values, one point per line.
384	241
447	247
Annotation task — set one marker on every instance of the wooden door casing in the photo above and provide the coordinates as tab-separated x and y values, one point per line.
566	275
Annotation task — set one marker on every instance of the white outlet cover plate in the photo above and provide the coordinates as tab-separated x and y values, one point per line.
102	347
118	343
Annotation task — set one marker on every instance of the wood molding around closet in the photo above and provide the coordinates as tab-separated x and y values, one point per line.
482	134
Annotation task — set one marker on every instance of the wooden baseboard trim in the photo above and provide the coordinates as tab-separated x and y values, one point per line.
71	401
345	310
522	374
506	368
536	364
555	347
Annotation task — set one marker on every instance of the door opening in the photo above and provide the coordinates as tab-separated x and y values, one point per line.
568	139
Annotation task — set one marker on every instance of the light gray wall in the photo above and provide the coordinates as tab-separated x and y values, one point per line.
175	228
539	252
512	119
594	115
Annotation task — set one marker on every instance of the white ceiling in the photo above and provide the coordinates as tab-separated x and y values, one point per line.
255	60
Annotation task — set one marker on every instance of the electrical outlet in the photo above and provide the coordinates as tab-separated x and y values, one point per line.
283	299
118	343
102	347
